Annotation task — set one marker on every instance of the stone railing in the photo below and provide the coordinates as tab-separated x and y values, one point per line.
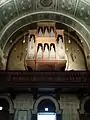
45	79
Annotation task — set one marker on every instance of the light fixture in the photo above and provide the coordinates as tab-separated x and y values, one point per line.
46	109
1	107
69	41
66	49
81	41
24	41
68	37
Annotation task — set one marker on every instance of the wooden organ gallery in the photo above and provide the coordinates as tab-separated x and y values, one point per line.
46	48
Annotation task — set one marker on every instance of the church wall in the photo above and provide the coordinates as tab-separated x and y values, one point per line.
70	106
24	107
24	102
76	60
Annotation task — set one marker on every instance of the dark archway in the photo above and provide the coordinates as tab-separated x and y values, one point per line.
46	104
87	106
4	111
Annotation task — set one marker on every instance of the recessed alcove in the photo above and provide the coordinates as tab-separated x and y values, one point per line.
46	104
4	109
46	107
87	106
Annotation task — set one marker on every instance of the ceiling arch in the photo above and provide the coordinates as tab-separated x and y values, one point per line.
22	21
12	9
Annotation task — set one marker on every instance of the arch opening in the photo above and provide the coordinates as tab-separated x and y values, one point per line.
87	106
4	109
46	105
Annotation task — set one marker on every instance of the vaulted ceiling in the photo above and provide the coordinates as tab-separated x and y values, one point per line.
9	9
15	14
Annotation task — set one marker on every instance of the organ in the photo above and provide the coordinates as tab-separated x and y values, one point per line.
46	48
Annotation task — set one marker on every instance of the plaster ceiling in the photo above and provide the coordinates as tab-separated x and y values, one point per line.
13	9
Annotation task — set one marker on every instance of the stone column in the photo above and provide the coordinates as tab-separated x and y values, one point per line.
69	104
22	115
23	105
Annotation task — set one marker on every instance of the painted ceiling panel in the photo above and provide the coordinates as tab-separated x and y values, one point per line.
3	2
7	12
13	9
67	6
46	5
87	1
24	5
10	9
83	12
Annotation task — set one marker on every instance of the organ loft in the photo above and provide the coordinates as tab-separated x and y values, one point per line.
46	48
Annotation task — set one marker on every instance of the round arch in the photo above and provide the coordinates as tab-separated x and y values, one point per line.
35	109
82	111
11	106
69	21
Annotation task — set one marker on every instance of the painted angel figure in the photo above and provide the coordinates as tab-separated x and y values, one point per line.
60	43
31	48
